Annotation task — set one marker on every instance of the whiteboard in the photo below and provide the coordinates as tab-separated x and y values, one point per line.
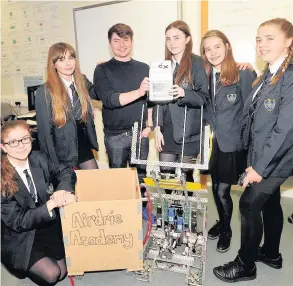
241	21
148	20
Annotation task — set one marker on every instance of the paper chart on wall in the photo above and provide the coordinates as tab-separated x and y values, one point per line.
32	69
28	40
43	40
39	11
16	54
6	70
30	29
12	14
26	12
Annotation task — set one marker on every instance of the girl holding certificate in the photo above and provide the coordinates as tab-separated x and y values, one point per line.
190	90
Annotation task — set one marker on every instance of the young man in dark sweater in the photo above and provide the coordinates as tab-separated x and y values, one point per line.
121	84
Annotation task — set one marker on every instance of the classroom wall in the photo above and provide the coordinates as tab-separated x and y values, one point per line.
57	17
22	58
44	22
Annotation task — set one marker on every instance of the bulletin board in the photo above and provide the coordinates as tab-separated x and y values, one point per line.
28	29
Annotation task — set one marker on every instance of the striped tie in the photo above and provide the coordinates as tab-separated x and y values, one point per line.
31	187
74	94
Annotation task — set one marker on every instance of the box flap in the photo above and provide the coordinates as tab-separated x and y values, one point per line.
109	184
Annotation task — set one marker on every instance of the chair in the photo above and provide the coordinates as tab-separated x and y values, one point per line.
31	93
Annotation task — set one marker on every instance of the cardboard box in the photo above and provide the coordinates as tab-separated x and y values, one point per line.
103	230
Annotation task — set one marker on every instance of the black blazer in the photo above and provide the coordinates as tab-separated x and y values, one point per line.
226	109
19	215
60	143
196	96
271	145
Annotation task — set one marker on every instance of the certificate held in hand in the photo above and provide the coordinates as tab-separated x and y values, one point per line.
161	81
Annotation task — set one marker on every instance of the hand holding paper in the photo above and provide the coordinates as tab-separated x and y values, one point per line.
176	91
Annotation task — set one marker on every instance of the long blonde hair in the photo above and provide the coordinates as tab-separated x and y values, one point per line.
287	28
60	106
229	70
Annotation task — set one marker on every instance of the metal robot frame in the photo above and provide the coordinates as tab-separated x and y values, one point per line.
177	223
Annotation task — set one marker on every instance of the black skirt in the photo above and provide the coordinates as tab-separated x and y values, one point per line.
48	242
84	151
226	167
171	147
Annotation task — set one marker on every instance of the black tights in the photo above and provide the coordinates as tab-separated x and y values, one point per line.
47	271
224	204
164	157
88	165
261	211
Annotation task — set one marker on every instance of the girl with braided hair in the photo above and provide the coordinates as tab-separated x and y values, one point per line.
267	134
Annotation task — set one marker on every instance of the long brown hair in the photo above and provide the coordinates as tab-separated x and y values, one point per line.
287	28
229	71
57	89
8	184
184	71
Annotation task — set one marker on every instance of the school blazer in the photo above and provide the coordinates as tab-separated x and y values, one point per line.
271	143
19	215
196	96
226	109
60	143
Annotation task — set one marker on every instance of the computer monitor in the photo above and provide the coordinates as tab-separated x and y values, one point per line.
31	93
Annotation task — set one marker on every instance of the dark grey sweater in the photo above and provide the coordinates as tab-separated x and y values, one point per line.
111	79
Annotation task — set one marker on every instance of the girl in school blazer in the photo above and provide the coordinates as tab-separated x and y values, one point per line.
267	132
190	90
66	129
31	235
229	88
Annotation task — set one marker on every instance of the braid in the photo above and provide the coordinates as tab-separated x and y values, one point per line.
286	28
284	66
256	81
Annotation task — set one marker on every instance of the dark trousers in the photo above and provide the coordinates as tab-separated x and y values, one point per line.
224	203
166	157
262	198
118	149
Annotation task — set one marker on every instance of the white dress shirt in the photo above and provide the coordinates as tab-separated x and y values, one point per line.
67	85
173	64
20	171
273	70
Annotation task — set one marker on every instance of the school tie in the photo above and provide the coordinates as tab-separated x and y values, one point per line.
74	94
31	187
253	105
218	83
175	72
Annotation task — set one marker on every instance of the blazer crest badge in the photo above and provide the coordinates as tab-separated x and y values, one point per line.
231	97
270	104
